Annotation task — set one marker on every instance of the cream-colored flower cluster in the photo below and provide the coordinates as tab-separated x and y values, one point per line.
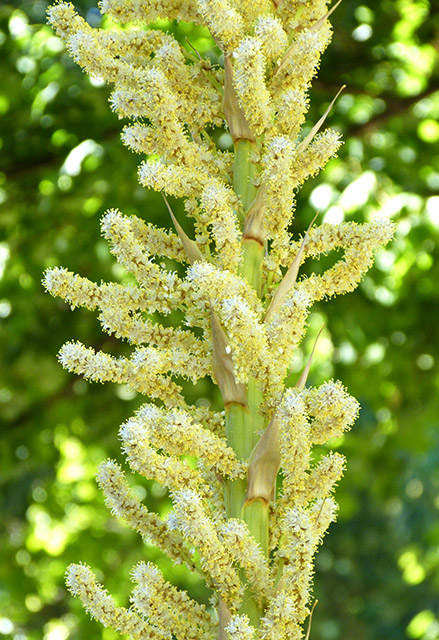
244	308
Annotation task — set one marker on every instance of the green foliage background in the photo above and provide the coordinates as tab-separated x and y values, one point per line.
62	164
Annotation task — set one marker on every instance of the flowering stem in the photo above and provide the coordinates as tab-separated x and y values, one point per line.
255	514
250	268
243	422
244	171
241	437
253	335
238	421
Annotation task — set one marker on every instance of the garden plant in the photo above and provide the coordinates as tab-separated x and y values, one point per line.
251	499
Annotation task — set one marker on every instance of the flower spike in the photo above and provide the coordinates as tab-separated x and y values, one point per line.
242	308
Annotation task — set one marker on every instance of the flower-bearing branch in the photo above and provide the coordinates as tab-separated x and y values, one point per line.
245	312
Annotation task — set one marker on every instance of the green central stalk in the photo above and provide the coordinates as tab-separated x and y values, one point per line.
244	424
244	171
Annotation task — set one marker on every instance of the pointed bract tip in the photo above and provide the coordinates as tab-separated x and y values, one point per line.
300	384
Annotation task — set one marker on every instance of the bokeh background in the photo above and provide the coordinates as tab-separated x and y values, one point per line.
62	165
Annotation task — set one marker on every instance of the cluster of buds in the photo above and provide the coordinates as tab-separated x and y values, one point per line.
250	515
